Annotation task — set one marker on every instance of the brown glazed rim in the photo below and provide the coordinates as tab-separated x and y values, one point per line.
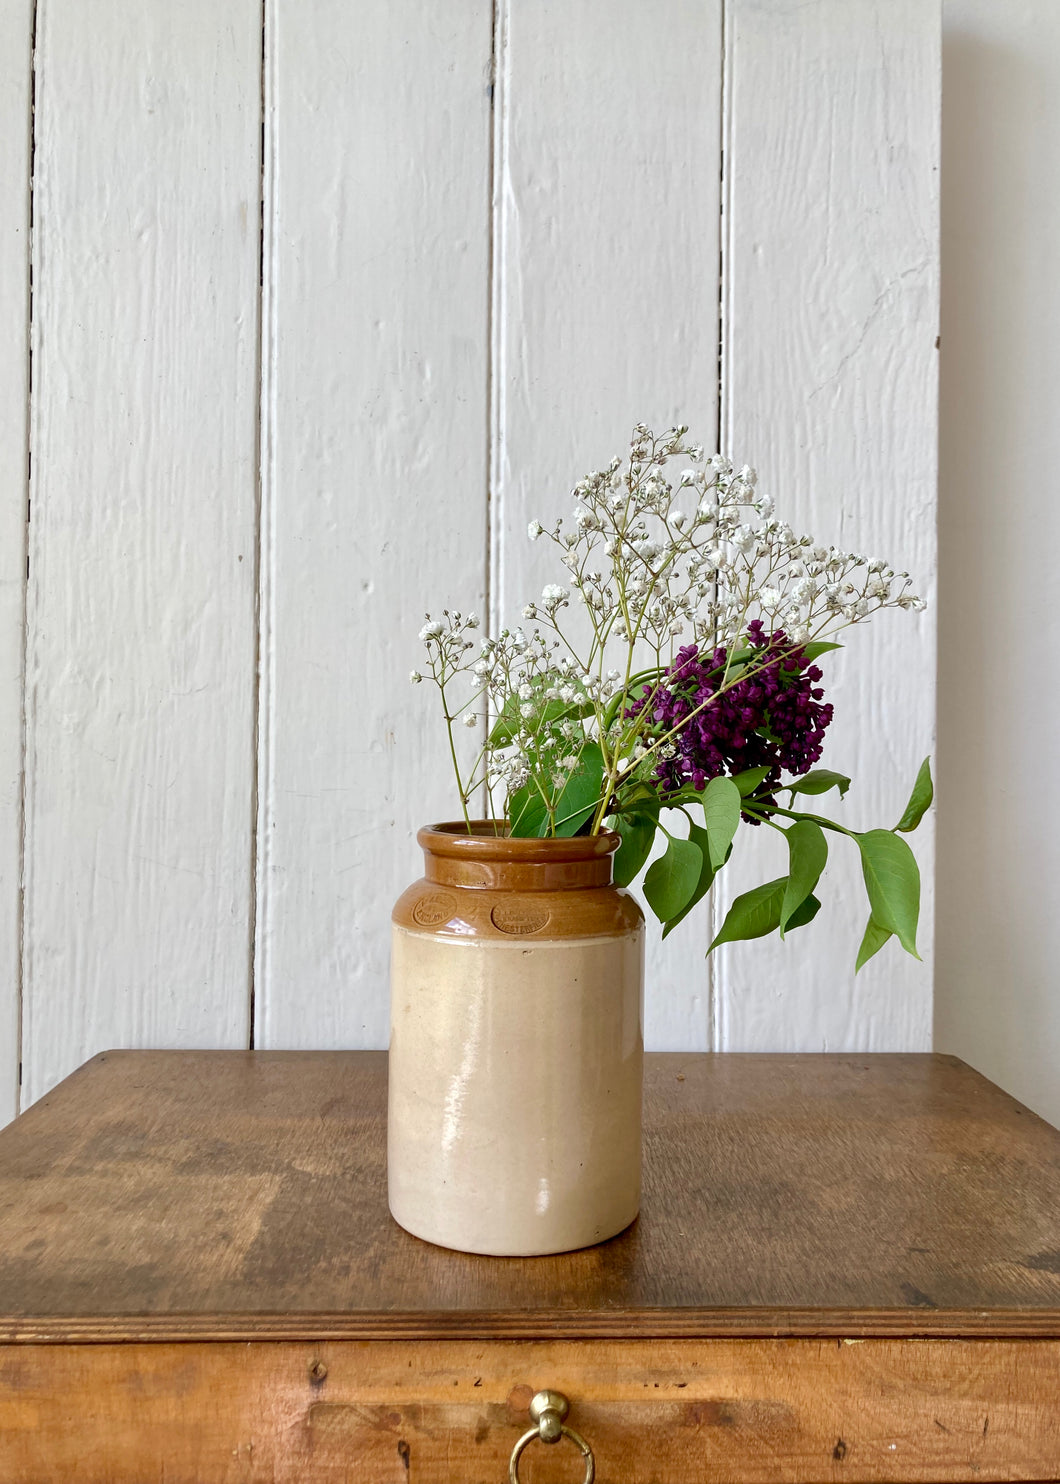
569	879
451	839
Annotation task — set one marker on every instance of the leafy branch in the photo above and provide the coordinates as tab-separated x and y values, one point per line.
673	676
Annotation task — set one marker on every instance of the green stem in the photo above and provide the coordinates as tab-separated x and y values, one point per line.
452	750
754	807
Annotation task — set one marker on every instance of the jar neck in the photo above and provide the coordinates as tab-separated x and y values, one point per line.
486	859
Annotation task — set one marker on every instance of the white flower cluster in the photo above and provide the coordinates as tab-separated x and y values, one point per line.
447	639
655	556
649	570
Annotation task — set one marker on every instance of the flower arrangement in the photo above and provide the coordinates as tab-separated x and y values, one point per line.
682	685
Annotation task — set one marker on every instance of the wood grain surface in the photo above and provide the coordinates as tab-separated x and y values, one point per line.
829	384
141	599
733	1412
233	1195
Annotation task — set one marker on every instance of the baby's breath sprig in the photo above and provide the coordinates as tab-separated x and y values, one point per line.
692	683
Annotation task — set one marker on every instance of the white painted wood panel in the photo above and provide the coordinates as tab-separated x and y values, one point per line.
491	243
140	685
377	221
16	70
605	298
830	325
999	525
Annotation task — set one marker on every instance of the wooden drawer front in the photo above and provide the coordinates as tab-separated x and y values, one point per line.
448	1412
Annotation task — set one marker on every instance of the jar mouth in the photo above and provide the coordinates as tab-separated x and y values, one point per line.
489	841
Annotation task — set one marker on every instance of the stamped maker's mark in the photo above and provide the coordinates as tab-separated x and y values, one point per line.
519	918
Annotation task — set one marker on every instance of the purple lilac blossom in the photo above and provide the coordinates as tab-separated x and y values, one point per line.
772	719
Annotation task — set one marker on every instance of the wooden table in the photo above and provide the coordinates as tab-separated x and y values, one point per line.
845	1268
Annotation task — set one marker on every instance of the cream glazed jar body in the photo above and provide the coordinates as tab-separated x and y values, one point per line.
516	1050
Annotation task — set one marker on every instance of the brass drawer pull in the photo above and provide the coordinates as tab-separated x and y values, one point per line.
548	1409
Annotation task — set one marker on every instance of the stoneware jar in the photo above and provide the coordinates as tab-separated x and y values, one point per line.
516	1049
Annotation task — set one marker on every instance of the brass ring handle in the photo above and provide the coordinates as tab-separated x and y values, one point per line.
548	1409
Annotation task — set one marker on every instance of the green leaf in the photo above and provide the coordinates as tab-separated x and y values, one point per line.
819	781
641	794
528	817
874	939
504	728
581	793
805	913
671	881
544	715
892	880
637	832
528	812
754	914
807	855
817	647
721	814
698	837
685	795
919	800
749	780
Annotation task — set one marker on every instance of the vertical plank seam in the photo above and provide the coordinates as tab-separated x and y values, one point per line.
256	686
20	925
936	223
490	207
265	546
496	329
491	278
498	166
724	411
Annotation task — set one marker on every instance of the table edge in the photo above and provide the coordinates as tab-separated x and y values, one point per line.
647	1324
